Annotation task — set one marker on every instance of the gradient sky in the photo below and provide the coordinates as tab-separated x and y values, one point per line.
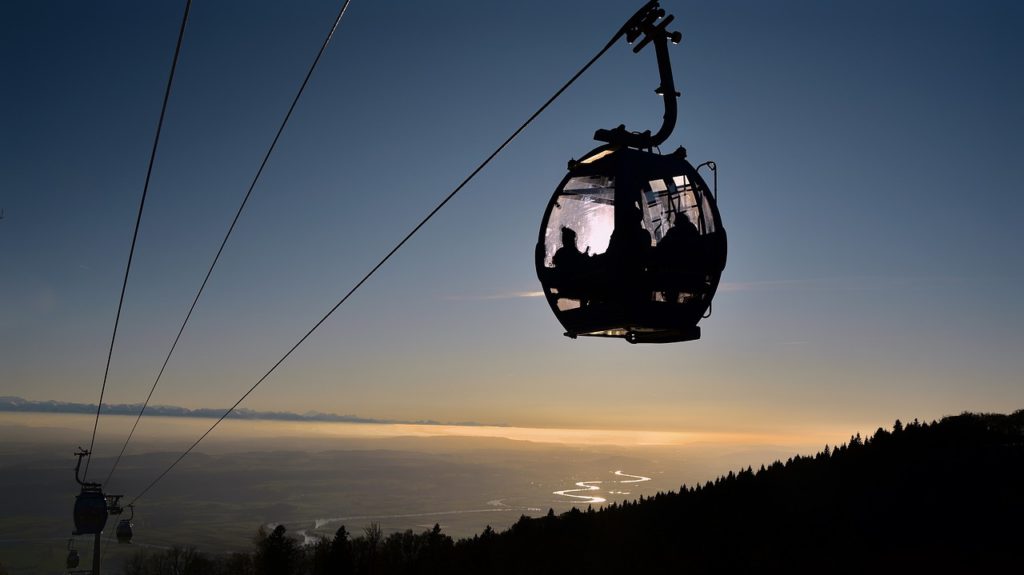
870	184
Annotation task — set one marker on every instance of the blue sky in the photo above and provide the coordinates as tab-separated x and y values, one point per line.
869	182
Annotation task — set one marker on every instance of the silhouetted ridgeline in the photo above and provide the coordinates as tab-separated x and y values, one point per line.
17	404
941	497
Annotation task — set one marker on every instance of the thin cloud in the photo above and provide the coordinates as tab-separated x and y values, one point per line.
764	285
863	283
503	295
844	284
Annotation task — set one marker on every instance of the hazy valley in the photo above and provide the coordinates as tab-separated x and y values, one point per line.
315	477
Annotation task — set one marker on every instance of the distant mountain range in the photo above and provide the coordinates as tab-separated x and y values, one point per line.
11	403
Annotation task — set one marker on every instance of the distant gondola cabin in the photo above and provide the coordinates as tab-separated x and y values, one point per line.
124	531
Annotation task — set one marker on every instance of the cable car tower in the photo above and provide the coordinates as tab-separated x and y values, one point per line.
631	244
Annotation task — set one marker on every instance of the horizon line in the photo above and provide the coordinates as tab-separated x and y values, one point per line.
17	404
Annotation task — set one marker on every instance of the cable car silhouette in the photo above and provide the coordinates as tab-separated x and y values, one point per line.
90	511
124	528
631	244
73	557
91	505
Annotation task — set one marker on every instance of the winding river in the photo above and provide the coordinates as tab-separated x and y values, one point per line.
583	492
583	486
592	486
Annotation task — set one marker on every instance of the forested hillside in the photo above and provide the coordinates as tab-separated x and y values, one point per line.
941	497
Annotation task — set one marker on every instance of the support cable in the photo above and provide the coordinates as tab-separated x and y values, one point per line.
216	258
135	234
369	274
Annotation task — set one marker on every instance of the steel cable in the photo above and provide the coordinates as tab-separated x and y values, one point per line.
369	274
231	228
135	234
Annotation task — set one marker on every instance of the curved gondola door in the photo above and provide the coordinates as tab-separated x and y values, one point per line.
632	246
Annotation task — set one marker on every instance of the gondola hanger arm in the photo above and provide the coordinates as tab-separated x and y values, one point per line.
645	26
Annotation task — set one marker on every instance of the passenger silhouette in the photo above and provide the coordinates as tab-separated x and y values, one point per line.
570	266
631	245
677	265
624	263
569	255
680	243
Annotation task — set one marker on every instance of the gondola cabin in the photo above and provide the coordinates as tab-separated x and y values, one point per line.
124	531
73	558
90	512
632	246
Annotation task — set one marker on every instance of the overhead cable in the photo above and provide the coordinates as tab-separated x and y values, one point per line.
259	172
135	234
397	247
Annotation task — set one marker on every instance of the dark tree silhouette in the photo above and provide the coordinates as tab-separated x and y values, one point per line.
277	553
